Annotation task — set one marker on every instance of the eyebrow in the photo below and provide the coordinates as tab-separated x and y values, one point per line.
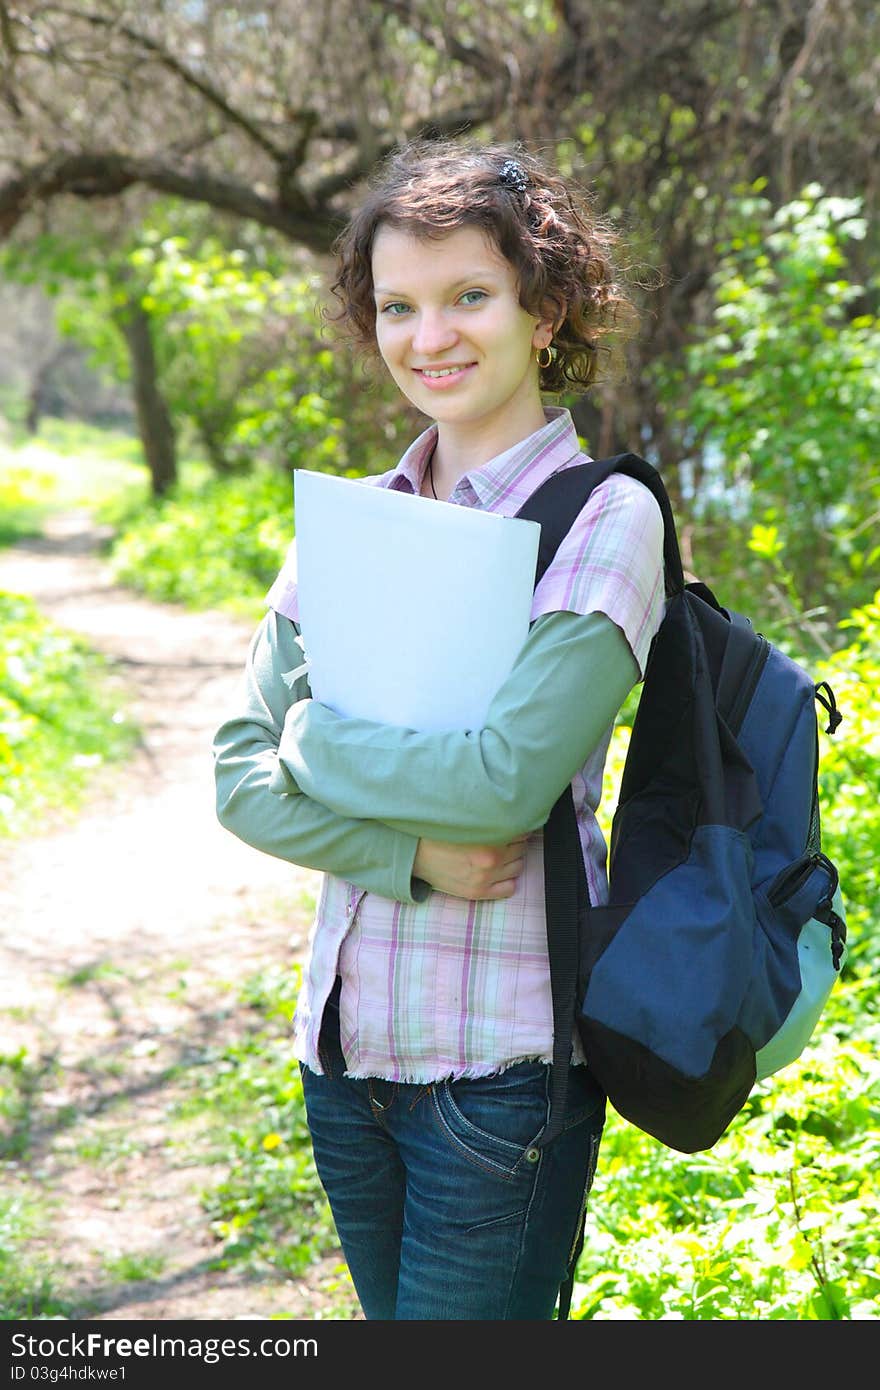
482	274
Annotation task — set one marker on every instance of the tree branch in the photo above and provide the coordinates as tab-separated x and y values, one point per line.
467	54
179	69
107	174
457	122
8	55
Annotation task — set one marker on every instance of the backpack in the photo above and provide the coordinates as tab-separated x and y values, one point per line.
724	931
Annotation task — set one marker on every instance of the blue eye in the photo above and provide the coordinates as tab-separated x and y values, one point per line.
481	294
391	308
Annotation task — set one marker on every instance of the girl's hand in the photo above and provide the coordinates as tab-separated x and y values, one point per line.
470	871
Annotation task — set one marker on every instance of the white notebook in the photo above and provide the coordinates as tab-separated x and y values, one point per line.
412	611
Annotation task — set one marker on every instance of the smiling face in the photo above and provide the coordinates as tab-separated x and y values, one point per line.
456	340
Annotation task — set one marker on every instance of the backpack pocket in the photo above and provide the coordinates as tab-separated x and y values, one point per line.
806	904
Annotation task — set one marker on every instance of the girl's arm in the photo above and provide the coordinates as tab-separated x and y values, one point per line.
490	785
297	828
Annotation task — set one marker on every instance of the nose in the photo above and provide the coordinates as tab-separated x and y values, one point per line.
433	333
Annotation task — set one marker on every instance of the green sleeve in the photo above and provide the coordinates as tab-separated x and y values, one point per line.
292	826
475	786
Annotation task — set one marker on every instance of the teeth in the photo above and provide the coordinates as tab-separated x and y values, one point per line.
445	371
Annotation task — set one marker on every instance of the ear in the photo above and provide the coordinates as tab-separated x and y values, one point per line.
543	334
553	319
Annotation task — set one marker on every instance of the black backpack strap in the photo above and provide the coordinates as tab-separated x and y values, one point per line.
556	505
558	501
566	898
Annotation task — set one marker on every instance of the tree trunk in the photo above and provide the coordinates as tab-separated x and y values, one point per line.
36	396
154	421
212	440
39	388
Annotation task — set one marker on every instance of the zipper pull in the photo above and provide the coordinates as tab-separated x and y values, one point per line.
830	704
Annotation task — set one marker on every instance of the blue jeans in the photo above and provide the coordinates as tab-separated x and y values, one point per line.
444	1207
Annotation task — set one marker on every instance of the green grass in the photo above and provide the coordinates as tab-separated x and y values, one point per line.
62	717
22	1081
27	496
779	1221
241	1112
27	1284
132	1269
69	465
267	1209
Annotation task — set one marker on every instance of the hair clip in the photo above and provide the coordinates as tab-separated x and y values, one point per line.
514	176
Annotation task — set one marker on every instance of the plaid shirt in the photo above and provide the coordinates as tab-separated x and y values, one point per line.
444	987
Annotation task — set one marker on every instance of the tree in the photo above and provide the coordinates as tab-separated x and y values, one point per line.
274	112
101	305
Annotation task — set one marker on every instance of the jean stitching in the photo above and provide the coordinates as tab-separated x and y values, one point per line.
515	1149
588	1183
420	1094
478	1160
515	1269
376	1105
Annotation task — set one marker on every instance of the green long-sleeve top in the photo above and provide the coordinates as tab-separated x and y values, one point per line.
352	798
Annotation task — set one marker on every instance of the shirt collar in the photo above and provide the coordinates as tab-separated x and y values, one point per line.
504	483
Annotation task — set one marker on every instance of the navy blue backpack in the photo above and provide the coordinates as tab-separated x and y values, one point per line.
724	932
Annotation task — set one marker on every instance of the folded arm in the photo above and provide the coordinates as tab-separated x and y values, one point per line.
485	786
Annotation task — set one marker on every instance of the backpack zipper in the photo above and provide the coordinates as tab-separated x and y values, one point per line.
738	709
787	883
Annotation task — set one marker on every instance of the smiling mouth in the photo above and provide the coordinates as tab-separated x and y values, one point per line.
435	373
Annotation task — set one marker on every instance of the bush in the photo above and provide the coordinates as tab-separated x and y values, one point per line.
219	543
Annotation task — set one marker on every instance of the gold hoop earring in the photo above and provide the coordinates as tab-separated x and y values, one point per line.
548	363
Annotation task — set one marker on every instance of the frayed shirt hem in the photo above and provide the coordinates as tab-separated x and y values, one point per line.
428	1076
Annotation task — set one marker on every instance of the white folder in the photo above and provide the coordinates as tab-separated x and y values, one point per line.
412	611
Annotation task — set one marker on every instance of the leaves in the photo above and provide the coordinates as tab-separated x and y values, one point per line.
783	389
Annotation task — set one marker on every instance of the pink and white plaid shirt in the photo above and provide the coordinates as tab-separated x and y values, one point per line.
449	988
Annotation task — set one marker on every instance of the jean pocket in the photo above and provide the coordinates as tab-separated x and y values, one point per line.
493	1121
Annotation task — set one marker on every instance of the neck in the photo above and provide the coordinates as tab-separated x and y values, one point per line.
459	451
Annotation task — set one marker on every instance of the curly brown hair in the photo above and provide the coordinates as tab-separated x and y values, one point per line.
545	227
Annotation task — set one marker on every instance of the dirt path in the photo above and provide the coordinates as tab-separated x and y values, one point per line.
122	937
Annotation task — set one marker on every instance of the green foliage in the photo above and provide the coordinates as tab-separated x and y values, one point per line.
244	358
213	542
782	398
60	718
227	329
20	1080
26	497
849	779
778	1221
237	331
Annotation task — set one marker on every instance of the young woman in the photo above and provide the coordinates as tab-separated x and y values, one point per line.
424	1024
